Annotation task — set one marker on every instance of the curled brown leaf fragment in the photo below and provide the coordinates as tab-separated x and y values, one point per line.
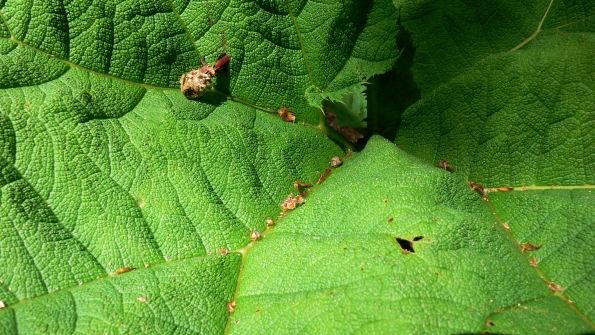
479	189
444	164
336	161
292	202
348	132
231	306
286	115
323	177
554	287
194	83
530	247
297	185
123	270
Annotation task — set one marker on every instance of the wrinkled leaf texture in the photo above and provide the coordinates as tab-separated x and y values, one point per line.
105	165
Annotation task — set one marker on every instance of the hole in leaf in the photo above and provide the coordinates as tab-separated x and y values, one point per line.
490	323
417	238
406	245
391	220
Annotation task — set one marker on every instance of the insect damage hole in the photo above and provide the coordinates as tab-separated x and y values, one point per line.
407	245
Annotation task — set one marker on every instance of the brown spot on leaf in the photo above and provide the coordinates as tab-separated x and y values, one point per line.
142	299
270	222
336	161
292	202
444	164
123	270
554	287
254	235
533	262
224	252
231	306
286	115
530	247
323	177
479	189
391	220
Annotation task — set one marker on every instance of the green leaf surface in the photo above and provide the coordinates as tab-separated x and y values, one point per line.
126	208
451	37
188	297
277	49
334	265
516	118
561	221
99	174
106	166
351	110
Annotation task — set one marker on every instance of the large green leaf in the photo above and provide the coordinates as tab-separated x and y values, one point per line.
517	114
518	118
345	272
107	167
126	208
450	37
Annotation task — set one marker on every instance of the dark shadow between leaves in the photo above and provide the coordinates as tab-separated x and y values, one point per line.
390	94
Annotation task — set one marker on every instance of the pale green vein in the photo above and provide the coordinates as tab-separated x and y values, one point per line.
185	27
537	31
299	35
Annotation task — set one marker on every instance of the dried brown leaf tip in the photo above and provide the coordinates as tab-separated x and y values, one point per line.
555	287
231	306
123	270
286	115
348	132
194	83
336	161
270	222
254	235
292	202
530	247
444	164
